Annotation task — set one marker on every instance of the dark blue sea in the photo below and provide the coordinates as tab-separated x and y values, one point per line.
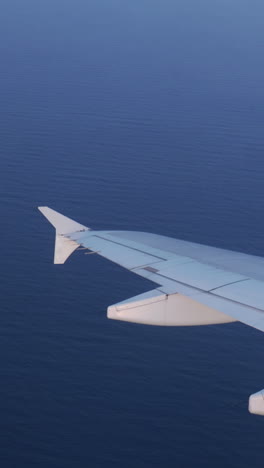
140	115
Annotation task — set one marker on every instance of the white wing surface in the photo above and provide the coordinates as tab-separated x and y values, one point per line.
212	285
196	284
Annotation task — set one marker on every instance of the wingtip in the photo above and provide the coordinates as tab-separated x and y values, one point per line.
62	223
41	208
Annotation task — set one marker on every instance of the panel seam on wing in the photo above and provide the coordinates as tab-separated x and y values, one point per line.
208	292
229	284
131	248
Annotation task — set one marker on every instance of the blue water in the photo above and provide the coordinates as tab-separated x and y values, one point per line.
142	115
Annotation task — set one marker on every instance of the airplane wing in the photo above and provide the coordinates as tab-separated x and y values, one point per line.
196	284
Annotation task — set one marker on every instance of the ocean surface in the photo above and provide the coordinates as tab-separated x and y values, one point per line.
144	115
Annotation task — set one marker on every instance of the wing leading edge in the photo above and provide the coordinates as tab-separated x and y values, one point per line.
196	284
